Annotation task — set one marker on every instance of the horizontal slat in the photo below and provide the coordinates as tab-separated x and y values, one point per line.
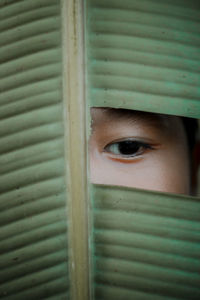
152	86
131	253
22	106
105	291
172	207
34	281
144	55
33	210
26	210
29	46
26	269
46	241
105	97
146	244
56	287
30	90
148	286
179	9
27	17
122	27
30	62
140	16
28	29
149	271
35	222
34	75
26	157
31	137
31	119
12	8
146	45
146	224
30	175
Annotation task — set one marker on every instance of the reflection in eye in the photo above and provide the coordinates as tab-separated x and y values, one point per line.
127	148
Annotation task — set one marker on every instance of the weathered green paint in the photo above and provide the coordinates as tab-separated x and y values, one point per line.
144	55
140	55
147	244
33	234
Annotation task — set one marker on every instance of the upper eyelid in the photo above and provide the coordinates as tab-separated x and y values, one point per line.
124	139
142	143
138	139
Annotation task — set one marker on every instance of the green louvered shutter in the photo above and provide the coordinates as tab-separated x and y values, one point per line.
144	55
33	234
139	54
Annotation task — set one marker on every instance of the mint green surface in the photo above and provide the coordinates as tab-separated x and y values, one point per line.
147	244
141	55
33	233
144	55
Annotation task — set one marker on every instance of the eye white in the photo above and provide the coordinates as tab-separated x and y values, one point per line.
126	148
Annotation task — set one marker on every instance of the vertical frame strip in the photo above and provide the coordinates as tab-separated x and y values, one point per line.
76	147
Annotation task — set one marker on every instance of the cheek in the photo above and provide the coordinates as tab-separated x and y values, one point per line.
165	170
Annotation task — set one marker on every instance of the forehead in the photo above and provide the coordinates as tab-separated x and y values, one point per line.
106	116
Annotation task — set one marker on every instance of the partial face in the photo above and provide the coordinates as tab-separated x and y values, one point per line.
140	150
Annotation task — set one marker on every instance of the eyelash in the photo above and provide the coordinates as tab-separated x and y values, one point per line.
133	148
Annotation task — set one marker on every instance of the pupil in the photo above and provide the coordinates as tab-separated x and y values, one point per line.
128	147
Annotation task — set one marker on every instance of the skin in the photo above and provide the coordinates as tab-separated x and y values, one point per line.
140	150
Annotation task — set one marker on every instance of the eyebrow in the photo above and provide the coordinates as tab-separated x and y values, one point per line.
158	121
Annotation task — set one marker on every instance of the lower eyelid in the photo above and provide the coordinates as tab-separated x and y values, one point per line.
130	160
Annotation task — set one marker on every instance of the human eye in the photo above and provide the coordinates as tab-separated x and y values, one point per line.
127	148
